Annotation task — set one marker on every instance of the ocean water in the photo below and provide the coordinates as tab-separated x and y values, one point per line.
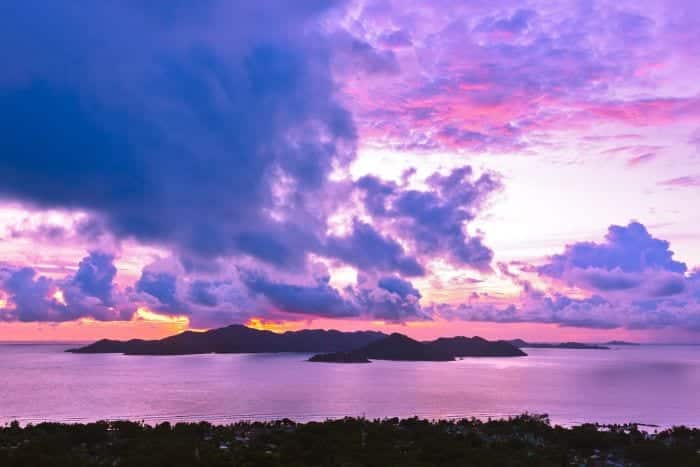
655	385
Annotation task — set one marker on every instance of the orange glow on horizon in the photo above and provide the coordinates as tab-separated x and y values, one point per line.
151	325
180	322
278	327
145	324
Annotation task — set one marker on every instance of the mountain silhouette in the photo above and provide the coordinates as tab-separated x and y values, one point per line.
237	339
400	347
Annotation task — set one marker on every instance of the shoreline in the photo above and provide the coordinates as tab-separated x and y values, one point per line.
221	420
348	441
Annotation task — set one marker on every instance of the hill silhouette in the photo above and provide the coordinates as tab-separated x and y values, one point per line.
476	347
400	347
237	339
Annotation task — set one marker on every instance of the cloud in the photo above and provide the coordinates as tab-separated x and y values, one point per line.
30	297
95	275
434	222
214	144
161	286
223	134
686	181
353	55
390	298
88	293
516	23
201	294
660	110
393	299
594	312
398	286
368	250
504	78
695	139
395	39
319	299
641	159
629	249
630	280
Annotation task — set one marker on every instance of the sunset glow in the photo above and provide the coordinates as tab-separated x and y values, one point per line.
180	323
262	324
507	169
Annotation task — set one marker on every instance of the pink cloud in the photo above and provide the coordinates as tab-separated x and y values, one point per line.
644	158
682	182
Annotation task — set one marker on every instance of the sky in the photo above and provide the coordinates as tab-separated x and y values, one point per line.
506	169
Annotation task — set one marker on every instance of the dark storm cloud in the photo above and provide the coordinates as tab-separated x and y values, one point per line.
187	128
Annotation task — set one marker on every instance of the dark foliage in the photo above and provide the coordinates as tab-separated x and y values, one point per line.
522	441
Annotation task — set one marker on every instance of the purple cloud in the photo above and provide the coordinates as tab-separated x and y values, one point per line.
390	298
434	221
184	128
641	159
368	250
629	249
95	276
687	181
495	78
87	294
632	279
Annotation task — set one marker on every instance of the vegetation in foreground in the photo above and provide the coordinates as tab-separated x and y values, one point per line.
522	441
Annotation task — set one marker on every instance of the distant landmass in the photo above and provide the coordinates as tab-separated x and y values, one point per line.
477	347
521	344
403	348
238	339
621	343
331	346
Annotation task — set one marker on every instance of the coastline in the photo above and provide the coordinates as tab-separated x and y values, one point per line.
348	441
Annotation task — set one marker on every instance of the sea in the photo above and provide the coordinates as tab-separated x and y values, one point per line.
657	386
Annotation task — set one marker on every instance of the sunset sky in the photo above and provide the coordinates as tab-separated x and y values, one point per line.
448	167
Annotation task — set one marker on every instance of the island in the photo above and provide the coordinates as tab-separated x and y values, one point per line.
238	339
402	348
476	346
521	344
621	343
329	345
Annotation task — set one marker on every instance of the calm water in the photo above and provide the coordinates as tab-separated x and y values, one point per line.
648	384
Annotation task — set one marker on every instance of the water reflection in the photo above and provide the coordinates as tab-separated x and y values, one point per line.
648	384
